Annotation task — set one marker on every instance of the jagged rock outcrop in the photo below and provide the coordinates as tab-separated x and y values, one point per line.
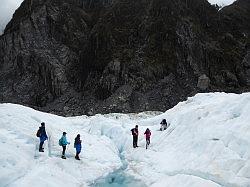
83	57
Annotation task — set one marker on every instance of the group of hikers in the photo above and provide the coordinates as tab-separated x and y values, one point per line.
41	133
147	133
135	134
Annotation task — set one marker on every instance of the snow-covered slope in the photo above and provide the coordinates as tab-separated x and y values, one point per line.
207	144
22	165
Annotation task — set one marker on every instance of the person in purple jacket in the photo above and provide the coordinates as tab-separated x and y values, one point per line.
147	133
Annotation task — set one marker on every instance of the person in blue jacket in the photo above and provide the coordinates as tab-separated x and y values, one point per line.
42	136
78	146
63	142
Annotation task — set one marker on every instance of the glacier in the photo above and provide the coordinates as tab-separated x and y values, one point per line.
206	145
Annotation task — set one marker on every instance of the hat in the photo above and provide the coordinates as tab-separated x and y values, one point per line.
42	124
64	133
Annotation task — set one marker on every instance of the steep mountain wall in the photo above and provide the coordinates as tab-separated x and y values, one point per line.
87	56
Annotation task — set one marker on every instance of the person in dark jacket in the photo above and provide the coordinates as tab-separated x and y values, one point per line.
135	134
42	136
78	146
164	125
148	134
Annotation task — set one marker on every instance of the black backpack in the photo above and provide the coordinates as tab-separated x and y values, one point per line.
132	131
38	133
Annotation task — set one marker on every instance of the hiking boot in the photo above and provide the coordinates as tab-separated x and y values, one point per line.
63	157
77	158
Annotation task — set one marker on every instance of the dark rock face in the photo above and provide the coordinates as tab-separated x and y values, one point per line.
75	57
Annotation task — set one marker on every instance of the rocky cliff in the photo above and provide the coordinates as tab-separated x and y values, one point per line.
88	56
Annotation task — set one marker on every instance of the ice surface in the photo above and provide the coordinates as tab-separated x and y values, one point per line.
206	145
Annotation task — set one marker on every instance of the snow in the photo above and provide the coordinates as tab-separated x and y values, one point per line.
206	145
221	3
7	9
22	165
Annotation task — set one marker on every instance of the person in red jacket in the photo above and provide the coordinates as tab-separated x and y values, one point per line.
148	134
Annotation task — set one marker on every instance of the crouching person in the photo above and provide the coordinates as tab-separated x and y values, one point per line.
164	125
63	142
78	146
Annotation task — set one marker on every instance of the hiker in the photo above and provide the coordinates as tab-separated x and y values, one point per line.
164	125
148	134
63	142
78	146
135	134
41	133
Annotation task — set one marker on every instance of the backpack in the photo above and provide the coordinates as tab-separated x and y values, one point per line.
38	133
60	142
133	131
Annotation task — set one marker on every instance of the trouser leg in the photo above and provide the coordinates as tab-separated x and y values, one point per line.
148	141
134	142
41	146
64	149
78	155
